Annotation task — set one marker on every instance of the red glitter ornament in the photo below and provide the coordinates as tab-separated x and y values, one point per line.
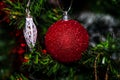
66	40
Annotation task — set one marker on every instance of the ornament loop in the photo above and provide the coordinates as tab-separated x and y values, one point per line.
65	6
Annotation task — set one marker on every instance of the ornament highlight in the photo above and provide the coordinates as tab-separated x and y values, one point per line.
66	40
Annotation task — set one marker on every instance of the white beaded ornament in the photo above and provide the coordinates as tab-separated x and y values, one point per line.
30	31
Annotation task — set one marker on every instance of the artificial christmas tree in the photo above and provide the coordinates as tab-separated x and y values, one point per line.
99	62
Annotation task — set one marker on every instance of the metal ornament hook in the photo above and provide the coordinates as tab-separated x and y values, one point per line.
27	9
66	16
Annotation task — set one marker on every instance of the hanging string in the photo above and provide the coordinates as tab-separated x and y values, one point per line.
62	3
65	6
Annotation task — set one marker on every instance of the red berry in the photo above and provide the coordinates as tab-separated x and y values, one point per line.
21	51
23	44
44	51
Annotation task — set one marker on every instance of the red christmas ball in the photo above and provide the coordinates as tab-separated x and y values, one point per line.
66	40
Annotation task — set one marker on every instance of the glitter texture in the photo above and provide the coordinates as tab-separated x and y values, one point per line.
66	40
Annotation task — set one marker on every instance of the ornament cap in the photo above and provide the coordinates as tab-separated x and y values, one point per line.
66	17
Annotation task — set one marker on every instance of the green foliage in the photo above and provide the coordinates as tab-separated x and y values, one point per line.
106	6
17	11
105	50
18	77
37	9
6	44
98	58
